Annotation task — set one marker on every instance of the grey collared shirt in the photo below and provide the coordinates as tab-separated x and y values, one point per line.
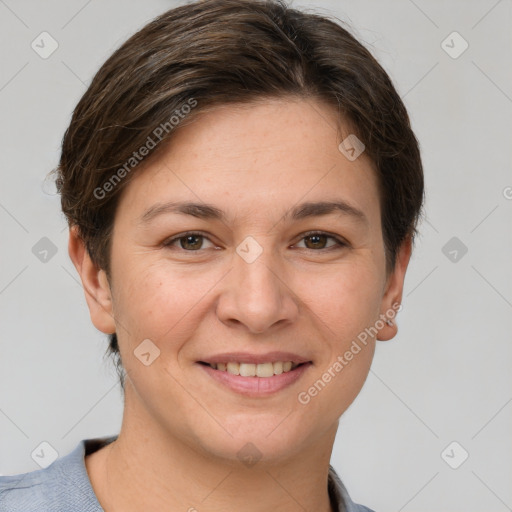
64	486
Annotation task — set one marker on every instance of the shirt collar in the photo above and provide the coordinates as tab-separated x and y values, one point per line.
340	499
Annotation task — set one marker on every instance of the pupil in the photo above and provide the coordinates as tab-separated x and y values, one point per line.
316	238
188	240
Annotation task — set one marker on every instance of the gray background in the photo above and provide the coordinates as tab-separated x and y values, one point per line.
445	377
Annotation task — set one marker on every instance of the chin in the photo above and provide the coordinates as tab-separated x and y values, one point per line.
260	437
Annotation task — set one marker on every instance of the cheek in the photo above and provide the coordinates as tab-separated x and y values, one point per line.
162	303
352	303
347	300
344	306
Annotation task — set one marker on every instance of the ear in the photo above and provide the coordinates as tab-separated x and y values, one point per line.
394	290
94	282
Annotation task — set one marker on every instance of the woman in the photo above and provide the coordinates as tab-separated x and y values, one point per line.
242	187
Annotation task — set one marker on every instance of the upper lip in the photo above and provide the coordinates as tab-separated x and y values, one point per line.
246	357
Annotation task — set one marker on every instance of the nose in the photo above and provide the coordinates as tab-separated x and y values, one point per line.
257	296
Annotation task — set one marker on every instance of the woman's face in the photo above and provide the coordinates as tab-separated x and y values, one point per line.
264	277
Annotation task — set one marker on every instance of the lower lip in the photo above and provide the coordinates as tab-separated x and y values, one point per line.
256	386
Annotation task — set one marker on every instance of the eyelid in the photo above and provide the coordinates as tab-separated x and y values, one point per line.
169	241
340	242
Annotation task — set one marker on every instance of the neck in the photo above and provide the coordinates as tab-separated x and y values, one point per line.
150	469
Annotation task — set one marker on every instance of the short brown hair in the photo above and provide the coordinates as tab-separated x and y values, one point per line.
218	52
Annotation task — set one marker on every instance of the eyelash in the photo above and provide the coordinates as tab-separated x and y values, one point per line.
339	242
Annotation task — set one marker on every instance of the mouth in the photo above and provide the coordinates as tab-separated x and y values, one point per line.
255	380
263	370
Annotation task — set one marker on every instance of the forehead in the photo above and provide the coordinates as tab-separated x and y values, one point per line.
251	159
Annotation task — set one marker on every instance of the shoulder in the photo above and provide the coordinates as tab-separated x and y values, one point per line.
61	487
32	491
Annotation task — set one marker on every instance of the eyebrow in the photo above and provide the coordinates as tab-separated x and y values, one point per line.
210	212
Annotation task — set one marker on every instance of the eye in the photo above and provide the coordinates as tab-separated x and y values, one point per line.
190	242
316	240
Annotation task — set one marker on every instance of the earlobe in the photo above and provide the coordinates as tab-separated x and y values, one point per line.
392	298
94	282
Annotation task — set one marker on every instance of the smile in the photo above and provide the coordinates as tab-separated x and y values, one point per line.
255	370
256	380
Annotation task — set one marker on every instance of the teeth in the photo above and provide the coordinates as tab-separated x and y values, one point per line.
264	370
255	370
248	370
233	368
278	368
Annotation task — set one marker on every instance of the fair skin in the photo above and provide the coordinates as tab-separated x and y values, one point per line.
182	429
